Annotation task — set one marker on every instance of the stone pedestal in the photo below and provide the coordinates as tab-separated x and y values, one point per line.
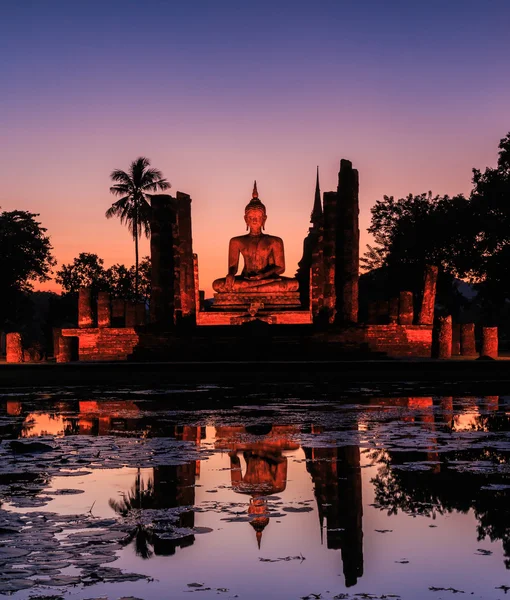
490	342
104	318
405	309
237	301
467	339
85	317
14	349
444	337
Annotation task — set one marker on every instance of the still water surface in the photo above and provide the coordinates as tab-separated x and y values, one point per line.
221	492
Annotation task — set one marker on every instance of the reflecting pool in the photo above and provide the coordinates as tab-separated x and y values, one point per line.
273	493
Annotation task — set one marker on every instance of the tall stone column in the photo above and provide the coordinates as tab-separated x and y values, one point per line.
426	316
405	308
467	339
444	337
85	315
347	245
162	261
329	254
455	339
104	314
490	342
185	249
14	348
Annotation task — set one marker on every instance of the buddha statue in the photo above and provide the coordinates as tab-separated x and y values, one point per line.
263	255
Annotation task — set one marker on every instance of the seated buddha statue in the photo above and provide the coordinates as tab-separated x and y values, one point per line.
263	255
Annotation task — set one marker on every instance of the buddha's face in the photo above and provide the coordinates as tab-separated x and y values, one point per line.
255	220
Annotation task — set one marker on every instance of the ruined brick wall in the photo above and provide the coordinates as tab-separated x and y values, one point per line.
108	343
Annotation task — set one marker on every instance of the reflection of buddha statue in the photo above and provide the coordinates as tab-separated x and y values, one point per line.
264	260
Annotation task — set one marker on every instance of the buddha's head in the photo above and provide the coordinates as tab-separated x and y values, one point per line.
255	213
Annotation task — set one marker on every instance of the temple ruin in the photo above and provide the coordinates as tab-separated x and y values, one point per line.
257	312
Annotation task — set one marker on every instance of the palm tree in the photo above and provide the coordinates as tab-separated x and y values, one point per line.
133	207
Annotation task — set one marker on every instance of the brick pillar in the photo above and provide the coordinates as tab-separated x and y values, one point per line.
393	310
197	289
14	348
455	339
85	318
162	261
467	339
405	308
426	316
329	254
186	270
490	342
347	244
104	318
118	312
444	337
65	349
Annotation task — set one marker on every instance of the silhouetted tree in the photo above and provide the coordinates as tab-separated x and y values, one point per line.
25	258
86	270
133	208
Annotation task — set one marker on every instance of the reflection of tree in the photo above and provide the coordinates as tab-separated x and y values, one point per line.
431	492
170	487
139	497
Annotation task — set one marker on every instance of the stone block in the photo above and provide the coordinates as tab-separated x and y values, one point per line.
467	339
444	337
65	349
14	348
490	342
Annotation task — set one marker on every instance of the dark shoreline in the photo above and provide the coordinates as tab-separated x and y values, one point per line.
447	374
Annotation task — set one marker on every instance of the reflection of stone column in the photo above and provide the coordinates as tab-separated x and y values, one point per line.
426	316
65	346
85	318
14	348
405	308
490	342
444	337
162	261
347	244
447	409
467	339
336	475
103	310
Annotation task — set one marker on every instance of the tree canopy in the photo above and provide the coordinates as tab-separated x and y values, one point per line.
87	270
133	208
467	238
25	258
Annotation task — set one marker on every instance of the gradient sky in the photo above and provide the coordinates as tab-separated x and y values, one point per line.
219	93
